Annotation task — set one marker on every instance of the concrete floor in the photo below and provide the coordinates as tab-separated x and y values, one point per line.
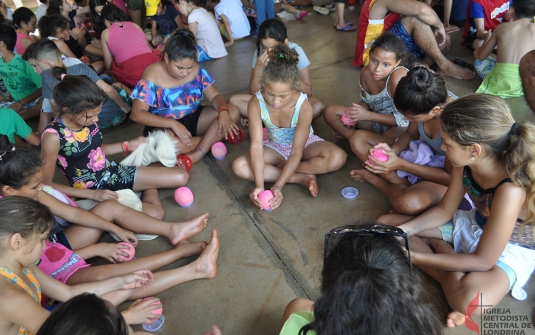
267	259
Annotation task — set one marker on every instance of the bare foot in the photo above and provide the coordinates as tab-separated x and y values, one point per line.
337	137
362	175
181	231
455	319
309	181
188	249
206	264
456	71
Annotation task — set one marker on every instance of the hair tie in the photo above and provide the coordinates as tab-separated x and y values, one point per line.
5	152
281	55
514	129
62	76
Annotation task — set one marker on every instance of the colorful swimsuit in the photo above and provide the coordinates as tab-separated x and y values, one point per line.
84	164
20	282
281	139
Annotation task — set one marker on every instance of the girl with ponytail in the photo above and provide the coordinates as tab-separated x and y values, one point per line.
485	252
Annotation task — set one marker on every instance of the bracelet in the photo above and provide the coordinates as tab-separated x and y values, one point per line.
124	146
223	109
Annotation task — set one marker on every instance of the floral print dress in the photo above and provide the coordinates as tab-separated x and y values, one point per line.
84	164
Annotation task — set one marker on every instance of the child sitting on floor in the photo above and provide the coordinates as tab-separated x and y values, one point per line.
292	154
165	16
26	23
22	83
232	21
512	40
483	16
12	124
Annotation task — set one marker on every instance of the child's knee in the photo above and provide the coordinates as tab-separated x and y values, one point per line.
156	212
181	177
234	112
240	167
359	141
410	204
317	109
337	159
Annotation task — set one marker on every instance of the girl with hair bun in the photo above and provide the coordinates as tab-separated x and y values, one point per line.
292	154
420	97
485	252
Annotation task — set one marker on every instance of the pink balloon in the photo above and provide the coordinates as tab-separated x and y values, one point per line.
183	196
157	311
131	252
379	155
347	122
219	150
264	198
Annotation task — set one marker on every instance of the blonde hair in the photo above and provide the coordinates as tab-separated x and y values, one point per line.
487	120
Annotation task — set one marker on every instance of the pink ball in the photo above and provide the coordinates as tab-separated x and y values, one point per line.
157	311
264	198
219	150
266	135
183	196
379	155
347	122
131	252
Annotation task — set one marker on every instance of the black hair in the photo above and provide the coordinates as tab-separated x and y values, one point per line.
22	14
8	35
113	13
391	43
17	166
24	216
524	8
43	48
50	23
95	17
271	28
76	93
420	91
181	46
85	314
54	7
282	67
368	288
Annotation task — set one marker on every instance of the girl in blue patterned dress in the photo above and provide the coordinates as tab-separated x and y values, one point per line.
292	154
169	97
73	142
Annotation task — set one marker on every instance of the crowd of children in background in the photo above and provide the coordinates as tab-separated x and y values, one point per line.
448	165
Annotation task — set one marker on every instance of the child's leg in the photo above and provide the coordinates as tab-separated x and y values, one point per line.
31	112
148	177
241	101
333	117
317	106
290	9
151	204
362	141
79	35
204	267
152	263
95	48
138	222
80	237
208	128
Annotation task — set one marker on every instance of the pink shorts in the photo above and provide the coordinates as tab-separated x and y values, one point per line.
286	150
59	262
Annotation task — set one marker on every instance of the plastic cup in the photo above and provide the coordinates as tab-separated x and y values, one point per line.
157	325
350	193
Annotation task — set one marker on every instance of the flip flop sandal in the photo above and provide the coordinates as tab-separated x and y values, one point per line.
244	122
462	63
347	23
184	162
235	139
347	28
452	29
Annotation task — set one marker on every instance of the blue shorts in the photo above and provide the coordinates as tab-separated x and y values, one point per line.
484	67
398	30
203	56
447	235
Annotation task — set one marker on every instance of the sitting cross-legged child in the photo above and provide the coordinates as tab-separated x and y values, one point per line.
22	83
513	40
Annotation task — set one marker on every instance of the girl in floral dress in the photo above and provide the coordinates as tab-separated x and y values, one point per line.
74	143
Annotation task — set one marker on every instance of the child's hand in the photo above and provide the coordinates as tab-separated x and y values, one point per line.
229	43
113	251
440	35
262	61
182	133
140	311
254	197
133	144
357	113
139	279
126	236
276	201
101	195
226	125
393	163
154	41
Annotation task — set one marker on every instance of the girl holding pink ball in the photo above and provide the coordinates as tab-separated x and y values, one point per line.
420	97
292	154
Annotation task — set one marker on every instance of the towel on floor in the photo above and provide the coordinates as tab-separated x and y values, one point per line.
420	153
160	147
